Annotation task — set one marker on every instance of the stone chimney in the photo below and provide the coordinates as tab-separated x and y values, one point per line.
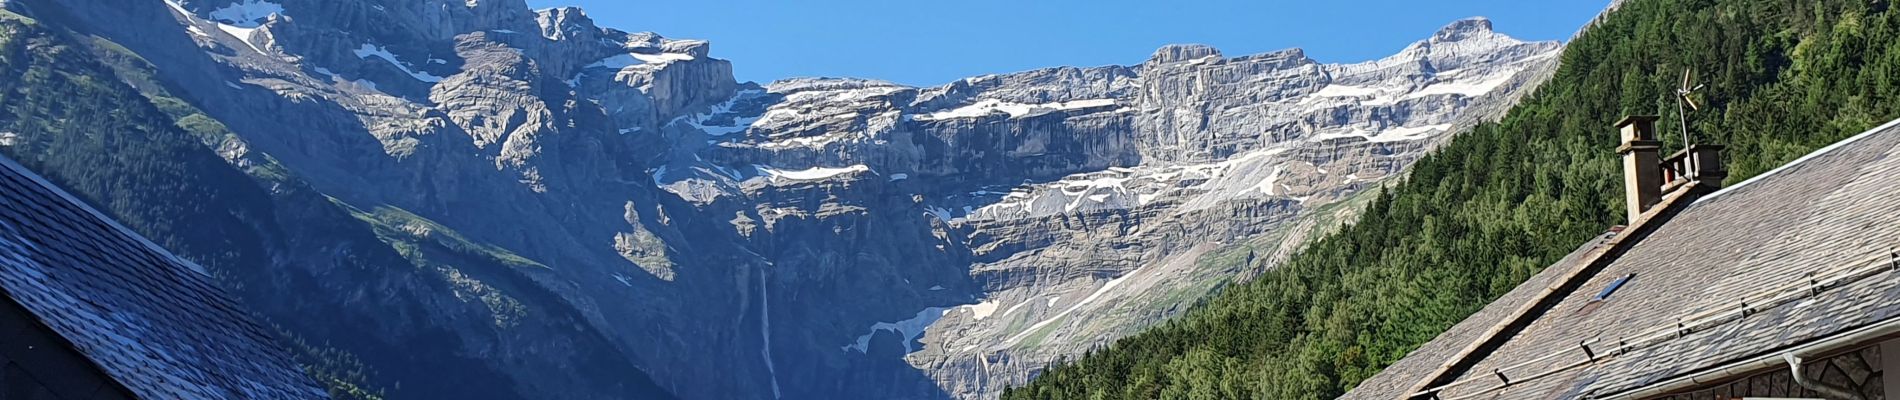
1642	163
1647	176
1701	164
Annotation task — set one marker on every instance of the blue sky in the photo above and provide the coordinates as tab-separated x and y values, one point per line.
934	42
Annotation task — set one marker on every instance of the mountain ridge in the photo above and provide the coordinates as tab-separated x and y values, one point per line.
1500	202
687	220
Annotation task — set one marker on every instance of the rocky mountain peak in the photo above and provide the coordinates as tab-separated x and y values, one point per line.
1183	52
877	216
690	47
564	22
1286	58
1469	41
1463	28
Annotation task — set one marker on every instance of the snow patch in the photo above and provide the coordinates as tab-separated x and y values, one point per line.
370	50
739	124
1354	132
1408	133
811	174
979	311
1012	309
809	141
1270	184
1116	187
1473	89
193	28
908	329
1112	283
242	34
1015	110
1347	91
1398	134
191	21
180	9
623	61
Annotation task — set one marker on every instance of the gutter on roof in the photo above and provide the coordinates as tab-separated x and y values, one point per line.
1830	390
1863	335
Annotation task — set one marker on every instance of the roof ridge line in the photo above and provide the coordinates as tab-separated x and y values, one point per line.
1804	158
1520	318
29	174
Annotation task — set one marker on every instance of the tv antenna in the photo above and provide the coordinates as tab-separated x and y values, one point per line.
1685	104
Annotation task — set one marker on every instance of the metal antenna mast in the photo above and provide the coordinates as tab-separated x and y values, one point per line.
1684	104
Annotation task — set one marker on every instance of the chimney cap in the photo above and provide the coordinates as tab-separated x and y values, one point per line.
1635	119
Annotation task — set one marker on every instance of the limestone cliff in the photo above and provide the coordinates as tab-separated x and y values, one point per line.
807	238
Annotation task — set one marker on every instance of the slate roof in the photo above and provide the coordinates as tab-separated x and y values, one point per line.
1835	208
150	320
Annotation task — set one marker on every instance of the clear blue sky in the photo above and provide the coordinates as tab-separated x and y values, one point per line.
931	42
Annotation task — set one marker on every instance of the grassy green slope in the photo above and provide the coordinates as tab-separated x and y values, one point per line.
1500	202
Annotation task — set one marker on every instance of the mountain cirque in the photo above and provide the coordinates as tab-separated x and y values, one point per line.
812	237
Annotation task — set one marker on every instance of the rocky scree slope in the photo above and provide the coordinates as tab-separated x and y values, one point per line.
807	238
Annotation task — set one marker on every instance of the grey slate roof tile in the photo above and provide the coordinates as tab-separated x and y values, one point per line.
1835	207
150	320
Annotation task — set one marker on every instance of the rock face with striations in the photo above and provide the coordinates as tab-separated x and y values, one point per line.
807	238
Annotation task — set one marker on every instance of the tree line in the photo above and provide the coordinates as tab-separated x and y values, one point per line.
1503	200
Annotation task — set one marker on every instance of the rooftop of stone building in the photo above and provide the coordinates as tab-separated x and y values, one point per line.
1791	258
